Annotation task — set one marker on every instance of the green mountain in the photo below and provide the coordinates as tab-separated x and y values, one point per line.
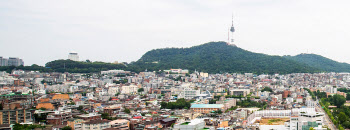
323	63
217	57
213	57
81	67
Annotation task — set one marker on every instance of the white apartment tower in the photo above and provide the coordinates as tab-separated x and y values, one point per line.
73	56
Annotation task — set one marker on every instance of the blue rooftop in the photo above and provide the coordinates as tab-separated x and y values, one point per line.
207	106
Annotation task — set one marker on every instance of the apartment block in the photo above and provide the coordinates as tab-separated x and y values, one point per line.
15	116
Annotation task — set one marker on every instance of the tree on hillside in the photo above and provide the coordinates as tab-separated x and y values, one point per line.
342	117
126	110
266	89
179	104
217	57
140	90
104	115
67	128
346	124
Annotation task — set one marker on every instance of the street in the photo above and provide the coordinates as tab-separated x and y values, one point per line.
326	119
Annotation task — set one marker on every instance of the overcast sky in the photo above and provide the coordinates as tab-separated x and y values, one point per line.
114	30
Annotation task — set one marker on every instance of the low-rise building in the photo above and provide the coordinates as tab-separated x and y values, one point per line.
90	116
196	124
15	116
238	92
96	124
188	93
120	124
206	108
75	124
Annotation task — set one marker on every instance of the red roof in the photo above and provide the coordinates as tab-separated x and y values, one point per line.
265	80
137	117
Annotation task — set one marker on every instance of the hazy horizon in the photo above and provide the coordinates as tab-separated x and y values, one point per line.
108	31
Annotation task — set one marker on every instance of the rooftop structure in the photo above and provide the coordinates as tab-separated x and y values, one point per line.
206	108
195	124
295	119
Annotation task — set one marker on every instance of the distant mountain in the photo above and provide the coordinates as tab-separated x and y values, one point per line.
217	57
81	67
320	62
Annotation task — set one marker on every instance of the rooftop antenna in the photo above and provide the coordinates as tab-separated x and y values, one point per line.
232	19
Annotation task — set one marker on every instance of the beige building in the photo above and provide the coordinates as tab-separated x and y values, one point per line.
120	124
228	103
129	89
206	108
237	92
15	116
96	124
76	124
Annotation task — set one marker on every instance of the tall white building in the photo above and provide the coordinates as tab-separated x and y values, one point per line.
129	89
73	56
1	61
4	62
12	61
331	89
189	93
113	90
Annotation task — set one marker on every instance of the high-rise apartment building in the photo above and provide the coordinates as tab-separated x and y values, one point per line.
15	116
12	61
73	56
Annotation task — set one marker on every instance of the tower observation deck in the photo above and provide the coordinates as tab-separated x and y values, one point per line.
230	35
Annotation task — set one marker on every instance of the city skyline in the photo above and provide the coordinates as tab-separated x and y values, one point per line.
123	31
179	65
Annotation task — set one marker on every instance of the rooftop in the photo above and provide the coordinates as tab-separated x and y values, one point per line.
119	121
97	121
272	121
207	106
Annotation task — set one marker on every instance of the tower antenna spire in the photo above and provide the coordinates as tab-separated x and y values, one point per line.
232	19
231	31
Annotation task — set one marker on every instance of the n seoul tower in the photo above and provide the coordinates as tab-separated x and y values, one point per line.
231	31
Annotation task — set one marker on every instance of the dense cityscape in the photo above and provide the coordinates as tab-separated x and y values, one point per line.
173	99
174	65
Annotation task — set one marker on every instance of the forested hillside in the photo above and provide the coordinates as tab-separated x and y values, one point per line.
320	62
218	57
